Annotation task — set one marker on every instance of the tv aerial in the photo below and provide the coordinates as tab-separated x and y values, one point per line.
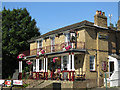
110	16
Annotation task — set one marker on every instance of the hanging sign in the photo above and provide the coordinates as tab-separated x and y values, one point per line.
104	66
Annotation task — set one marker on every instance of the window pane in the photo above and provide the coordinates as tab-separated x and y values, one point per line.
40	43
65	62
92	58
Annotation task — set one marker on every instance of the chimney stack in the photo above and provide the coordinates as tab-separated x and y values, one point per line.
118	24
100	19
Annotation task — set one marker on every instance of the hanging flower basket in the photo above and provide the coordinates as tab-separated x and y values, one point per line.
54	59
68	47
41	52
21	56
29	62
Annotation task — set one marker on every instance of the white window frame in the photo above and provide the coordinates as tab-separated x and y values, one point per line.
64	62
38	44
92	62
67	38
34	66
53	38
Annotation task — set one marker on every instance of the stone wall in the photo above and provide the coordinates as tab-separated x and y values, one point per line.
91	83
100	20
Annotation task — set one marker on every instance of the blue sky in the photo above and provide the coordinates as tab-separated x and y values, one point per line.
53	15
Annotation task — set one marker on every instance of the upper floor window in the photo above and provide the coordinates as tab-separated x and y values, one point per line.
72	37
92	63
67	37
39	43
53	41
52	44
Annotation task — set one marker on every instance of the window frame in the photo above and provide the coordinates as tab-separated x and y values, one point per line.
53	44
39	43
92	63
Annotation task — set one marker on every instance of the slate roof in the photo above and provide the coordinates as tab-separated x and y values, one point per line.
72	27
69	27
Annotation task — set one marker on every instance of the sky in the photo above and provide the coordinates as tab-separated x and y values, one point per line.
53	15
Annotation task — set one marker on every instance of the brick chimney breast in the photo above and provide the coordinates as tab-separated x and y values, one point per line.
118	24
100	19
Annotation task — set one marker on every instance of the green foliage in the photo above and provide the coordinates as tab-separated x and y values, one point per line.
17	28
25	85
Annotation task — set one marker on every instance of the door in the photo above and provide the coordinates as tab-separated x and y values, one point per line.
65	62
111	67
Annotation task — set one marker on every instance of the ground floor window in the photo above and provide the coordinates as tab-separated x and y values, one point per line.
65	62
92	63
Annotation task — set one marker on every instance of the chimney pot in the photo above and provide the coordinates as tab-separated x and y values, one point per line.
100	12
103	13
97	12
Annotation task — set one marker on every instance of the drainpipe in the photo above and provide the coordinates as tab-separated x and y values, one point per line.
96	60
117	52
76	39
96	69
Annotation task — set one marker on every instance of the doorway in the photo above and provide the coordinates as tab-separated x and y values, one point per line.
111	68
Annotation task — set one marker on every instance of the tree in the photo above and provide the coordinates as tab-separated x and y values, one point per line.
17	28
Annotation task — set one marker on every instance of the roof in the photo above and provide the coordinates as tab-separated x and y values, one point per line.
63	29
72	27
56	53
115	56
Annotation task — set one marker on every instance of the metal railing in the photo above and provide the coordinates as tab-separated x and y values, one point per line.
63	75
55	48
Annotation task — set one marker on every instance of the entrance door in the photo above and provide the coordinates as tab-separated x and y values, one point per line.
111	67
65	59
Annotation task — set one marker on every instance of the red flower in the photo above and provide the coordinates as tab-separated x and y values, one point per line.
28	62
20	56
42	51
